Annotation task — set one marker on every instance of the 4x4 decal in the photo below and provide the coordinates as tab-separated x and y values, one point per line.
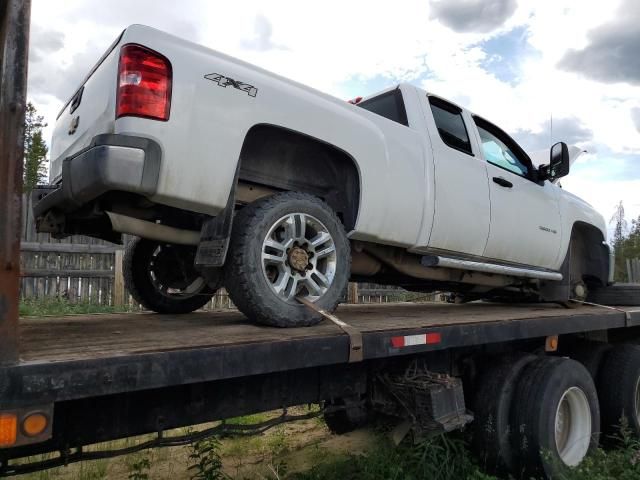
224	81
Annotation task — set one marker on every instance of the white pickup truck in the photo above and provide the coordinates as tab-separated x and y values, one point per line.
232	175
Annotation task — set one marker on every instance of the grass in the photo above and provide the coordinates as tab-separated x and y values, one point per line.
306	451
443	457
62	306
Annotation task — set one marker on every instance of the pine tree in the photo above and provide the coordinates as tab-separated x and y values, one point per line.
619	243
621	224
35	149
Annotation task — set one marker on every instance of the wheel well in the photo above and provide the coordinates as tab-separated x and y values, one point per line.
588	242
279	158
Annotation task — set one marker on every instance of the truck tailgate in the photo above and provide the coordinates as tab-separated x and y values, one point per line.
90	111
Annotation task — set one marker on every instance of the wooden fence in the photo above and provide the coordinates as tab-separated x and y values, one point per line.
77	268
86	270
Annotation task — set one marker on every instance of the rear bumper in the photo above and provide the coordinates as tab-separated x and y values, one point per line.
111	163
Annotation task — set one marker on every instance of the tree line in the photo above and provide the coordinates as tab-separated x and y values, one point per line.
625	241
35	150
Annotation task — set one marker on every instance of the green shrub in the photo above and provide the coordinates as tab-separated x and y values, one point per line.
206	462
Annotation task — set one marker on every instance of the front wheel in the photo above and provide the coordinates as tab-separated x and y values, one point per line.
284	247
161	277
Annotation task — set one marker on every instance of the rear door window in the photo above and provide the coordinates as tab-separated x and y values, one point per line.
388	105
450	124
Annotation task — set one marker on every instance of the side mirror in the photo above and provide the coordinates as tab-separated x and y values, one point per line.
558	163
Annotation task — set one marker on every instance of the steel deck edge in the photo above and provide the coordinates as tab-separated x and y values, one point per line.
40	381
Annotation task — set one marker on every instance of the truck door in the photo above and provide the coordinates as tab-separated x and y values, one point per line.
525	215
461	201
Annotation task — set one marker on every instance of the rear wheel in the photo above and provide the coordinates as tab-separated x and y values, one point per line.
492	407
619	390
591	355
162	278
555	418
282	248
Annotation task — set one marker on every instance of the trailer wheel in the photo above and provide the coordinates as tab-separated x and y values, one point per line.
162	278
282	247
555	418
591	355
619	390
492	406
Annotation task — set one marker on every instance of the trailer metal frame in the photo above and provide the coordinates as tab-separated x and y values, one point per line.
14	47
136	388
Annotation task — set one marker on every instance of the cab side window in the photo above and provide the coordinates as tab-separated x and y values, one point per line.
501	151
450	125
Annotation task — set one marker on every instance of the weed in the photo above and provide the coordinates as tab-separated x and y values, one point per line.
139	469
622	463
277	442
440	458
94	470
206	460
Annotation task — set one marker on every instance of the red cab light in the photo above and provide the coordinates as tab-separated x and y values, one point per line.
144	84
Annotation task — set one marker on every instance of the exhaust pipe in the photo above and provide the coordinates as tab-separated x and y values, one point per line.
153	231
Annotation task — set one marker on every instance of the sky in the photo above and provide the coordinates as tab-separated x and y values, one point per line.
522	64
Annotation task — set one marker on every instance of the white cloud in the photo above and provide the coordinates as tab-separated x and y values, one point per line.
604	196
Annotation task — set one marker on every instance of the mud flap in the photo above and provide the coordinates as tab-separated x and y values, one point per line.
215	233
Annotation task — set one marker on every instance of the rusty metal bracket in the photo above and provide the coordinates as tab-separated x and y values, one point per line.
356	353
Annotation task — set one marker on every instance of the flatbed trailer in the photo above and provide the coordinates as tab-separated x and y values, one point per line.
69	382
109	376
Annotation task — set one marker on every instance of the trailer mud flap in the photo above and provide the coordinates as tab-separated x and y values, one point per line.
356	353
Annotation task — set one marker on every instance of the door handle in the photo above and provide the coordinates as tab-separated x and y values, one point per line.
503	182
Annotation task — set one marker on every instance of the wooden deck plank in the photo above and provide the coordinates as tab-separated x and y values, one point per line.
79	337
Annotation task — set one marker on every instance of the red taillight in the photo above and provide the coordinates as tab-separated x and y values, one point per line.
144	84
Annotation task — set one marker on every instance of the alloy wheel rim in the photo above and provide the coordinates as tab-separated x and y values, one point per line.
298	258
187	288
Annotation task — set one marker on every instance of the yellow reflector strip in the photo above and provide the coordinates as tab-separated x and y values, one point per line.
8	429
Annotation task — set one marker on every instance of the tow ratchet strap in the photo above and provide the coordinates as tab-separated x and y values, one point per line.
355	336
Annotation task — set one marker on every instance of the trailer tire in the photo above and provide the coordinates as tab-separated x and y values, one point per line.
619	390
267	293
555	417
619	294
492	406
146	289
591	355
